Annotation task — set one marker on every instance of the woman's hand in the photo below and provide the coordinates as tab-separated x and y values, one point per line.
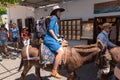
59	40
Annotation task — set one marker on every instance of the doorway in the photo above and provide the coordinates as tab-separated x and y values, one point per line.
29	23
19	23
98	27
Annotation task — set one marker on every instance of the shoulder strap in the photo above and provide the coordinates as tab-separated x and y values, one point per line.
104	35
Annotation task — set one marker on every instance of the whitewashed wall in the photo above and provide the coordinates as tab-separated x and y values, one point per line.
19	12
77	9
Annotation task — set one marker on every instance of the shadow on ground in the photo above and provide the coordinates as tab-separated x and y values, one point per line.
33	77
86	72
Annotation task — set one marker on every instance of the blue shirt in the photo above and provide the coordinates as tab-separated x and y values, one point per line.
49	40
15	32
3	35
103	36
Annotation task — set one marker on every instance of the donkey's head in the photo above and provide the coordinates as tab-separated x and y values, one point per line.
103	59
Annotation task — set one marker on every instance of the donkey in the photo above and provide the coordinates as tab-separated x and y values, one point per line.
76	56
115	53
107	59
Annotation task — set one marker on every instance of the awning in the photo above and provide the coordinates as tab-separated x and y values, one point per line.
40	3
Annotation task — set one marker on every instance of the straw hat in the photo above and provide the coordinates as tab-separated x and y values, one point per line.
107	25
24	27
55	8
117	71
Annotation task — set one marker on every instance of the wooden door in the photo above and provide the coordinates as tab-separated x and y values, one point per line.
29	23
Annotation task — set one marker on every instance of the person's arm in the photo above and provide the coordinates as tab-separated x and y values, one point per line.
18	34
53	34
7	35
111	44
10	35
52	26
58	35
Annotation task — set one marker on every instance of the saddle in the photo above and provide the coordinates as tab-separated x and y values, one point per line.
48	57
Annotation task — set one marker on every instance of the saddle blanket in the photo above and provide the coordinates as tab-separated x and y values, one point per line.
48	57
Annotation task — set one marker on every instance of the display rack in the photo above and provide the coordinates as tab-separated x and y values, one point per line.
71	29
87	30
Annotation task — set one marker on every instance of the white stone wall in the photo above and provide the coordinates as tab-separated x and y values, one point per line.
77	9
19	12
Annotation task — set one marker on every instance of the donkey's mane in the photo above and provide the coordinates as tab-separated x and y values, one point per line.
114	47
85	46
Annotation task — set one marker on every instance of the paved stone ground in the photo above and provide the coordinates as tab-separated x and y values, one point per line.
8	69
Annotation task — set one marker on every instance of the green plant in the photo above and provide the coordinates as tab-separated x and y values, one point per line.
5	2
2	11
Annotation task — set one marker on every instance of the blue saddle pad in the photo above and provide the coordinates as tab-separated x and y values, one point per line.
48	57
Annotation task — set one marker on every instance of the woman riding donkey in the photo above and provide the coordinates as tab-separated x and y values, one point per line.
51	39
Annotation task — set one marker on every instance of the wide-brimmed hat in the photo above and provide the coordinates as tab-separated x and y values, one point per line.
24	27
117	71
107	25
55	8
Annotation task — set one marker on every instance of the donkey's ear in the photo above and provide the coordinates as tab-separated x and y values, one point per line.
100	44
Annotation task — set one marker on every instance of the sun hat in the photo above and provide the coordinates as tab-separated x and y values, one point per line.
55	8
117	71
24	27
107	25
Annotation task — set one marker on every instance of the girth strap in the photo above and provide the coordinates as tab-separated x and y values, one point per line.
27	48
40	52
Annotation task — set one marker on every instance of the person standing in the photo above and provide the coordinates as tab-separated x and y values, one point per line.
3	40
14	36
51	39
103	36
25	36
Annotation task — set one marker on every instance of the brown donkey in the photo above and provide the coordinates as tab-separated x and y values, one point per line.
115	53
75	57
106	61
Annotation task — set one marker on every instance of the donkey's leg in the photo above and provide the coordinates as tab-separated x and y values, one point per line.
37	72
71	76
27	67
75	76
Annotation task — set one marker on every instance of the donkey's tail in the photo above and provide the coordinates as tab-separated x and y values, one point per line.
21	64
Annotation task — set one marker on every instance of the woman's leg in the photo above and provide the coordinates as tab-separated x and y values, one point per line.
57	62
